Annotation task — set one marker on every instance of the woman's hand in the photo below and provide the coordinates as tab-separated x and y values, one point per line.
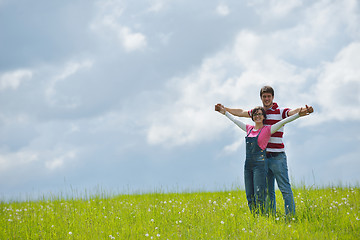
220	108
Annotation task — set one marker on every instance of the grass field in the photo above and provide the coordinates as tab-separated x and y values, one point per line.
326	213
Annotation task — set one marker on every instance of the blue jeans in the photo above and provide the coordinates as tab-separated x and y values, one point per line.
277	169
255	184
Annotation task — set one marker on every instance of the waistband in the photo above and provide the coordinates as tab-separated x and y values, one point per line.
273	154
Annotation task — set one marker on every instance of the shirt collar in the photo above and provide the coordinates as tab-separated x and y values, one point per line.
275	106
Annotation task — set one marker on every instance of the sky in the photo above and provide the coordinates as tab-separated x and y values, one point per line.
120	94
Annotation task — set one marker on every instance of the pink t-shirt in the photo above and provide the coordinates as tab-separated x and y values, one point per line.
263	137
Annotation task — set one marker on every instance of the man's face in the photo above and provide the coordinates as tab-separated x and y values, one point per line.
267	99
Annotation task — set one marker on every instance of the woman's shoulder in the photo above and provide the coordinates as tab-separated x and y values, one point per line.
267	129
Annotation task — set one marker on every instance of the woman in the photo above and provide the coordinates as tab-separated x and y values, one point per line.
255	164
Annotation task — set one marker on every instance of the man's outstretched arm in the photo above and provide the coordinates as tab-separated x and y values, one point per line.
236	111
309	109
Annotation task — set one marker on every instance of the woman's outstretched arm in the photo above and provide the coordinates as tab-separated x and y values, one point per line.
302	112
236	121
221	109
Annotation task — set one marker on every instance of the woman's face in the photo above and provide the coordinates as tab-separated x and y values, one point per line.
258	117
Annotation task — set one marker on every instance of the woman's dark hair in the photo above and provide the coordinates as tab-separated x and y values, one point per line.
257	109
266	89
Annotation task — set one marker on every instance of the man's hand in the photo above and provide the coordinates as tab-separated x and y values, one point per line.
306	111
309	109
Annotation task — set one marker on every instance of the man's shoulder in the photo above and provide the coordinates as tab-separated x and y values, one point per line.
277	107
277	112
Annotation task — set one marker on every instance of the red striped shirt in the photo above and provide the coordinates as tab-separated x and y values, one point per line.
274	115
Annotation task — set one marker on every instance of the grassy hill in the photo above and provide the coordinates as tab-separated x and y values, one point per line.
326	213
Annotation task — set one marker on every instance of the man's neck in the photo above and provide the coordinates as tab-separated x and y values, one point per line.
268	107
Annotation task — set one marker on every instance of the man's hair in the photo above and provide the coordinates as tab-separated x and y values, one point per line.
266	89
257	109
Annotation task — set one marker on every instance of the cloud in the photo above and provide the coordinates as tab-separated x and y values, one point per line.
131	41
59	161
274	9
11	161
235	146
156	6
108	22
51	93
222	10
234	75
14	79
190	117
338	88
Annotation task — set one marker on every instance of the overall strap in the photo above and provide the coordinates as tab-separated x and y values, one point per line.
260	131
249	131
252	129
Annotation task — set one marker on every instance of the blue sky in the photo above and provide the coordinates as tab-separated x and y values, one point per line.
120	94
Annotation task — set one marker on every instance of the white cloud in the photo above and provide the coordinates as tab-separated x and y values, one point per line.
10	161
26	159
338	88
319	31
234	76
222	10
157	6
14	79
235	146
274	9
70	69
59	161
108	22
165	38
131	41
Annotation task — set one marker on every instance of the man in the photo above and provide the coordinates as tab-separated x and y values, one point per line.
275	152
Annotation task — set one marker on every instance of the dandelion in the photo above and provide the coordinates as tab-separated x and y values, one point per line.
146	235
158	235
231	214
289	225
222	222
70	233
152	220
277	219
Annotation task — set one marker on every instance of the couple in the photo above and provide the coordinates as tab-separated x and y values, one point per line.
265	156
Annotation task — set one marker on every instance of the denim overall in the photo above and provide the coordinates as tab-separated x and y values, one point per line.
255	174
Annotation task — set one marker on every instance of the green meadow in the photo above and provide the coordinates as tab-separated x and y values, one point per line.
322	213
